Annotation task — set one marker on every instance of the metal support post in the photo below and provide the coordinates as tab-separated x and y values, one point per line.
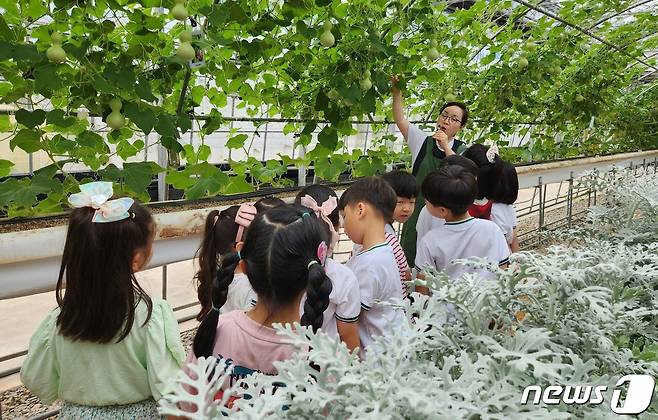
164	281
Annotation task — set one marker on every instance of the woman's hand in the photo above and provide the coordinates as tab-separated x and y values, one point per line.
443	141
394	82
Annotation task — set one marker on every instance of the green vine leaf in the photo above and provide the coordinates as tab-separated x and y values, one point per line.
30	119
28	140
139	175
5	167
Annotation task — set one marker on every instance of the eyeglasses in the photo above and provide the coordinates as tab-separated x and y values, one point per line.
450	119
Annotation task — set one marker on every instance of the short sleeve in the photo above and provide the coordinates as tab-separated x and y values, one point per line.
501	249
424	258
164	350
349	306
40	372
504	216
415	139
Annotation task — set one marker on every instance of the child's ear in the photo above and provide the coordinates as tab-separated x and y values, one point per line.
139	260
361	208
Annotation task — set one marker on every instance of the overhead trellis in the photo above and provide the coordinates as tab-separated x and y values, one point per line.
614	15
585	32
520	77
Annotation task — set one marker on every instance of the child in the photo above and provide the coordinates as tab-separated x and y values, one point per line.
108	349
220	238
426	221
448	192
406	189
498	189
367	205
283	258
223	234
340	318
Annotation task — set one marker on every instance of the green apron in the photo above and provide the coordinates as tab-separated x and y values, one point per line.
429	159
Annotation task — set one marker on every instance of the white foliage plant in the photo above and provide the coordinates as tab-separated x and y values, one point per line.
584	313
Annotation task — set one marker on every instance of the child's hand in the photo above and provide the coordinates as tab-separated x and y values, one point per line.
394	81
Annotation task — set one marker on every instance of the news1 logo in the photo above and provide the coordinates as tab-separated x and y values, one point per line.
638	395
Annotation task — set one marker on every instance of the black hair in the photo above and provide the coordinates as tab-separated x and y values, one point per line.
478	154
320	194
506	190
452	187
218	238
374	191
278	248
461	161
267	203
497	180
403	183
98	298
462	106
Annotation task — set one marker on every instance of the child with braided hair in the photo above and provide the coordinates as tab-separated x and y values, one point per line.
223	234
283	256
342	314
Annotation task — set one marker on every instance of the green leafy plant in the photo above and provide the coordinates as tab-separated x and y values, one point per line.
321	62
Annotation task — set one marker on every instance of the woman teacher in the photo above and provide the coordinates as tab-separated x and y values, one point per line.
427	152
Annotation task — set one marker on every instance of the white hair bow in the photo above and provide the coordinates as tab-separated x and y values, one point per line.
97	195
492	151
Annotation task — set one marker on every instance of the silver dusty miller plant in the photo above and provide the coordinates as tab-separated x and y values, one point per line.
569	316
629	211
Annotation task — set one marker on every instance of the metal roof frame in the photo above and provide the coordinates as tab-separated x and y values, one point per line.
612	16
583	31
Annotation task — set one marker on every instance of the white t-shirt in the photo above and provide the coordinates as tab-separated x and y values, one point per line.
344	299
379	280
415	139
240	295
504	215
467	238
425	223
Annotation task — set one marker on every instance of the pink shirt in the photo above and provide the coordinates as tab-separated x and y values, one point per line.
249	345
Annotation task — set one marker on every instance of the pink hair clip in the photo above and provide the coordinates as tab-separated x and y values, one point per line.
244	217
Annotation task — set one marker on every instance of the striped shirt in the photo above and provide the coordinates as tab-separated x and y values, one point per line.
400	259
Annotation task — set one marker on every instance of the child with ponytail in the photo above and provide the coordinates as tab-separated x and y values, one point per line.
283	256
498	189
108	350
342	314
224	230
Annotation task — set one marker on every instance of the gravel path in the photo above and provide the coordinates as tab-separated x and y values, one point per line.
19	403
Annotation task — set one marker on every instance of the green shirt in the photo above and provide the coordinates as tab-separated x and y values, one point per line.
138	367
